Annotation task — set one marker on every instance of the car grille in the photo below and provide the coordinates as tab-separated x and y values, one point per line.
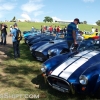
40	56
58	84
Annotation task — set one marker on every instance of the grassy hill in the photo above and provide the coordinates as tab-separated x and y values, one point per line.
24	26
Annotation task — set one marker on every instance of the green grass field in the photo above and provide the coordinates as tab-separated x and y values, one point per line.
24	26
23	76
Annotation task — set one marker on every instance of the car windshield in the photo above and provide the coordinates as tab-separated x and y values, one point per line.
60	36
89	44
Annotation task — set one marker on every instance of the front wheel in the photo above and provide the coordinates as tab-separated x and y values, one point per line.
97	94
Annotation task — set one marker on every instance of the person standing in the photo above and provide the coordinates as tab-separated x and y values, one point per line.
93	29
15	41
32	30
71	32
41	29
3	34
11	28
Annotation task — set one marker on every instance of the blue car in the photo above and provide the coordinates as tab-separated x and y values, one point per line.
75	72
31	39
49	47
27	35
44	50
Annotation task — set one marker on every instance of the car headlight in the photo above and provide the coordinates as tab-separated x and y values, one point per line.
83	79
43	68
31	48
49	52
52	51
26	41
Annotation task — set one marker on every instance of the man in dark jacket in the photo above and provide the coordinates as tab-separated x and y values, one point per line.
3	34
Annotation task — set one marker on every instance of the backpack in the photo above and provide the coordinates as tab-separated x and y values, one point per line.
18	35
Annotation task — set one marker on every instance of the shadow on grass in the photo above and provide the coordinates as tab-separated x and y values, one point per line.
25	54
5	48
39	80
19	77
24	70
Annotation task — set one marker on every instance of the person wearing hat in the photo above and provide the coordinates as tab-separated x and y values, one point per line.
71	32
15	42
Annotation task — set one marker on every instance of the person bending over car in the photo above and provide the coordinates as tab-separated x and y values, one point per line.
71	32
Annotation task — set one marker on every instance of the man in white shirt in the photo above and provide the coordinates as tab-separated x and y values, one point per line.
93	30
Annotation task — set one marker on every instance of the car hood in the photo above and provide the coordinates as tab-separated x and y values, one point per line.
36	45
73	67
48	44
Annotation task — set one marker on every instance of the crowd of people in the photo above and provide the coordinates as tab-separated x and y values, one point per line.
13	33
94	30
52	29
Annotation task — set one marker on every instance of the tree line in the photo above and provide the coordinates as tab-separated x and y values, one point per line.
49	19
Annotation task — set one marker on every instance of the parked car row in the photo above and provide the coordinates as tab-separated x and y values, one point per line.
44	46
74	70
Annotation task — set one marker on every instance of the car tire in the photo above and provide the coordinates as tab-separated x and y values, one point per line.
97	94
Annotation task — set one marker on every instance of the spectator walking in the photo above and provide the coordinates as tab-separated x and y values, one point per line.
15	42
41	29
32	30
93	29
3	34
96	30
51	29
71	32
11	28
55	30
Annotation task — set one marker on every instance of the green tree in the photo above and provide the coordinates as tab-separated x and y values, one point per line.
48	19
84	22
98	22
14	19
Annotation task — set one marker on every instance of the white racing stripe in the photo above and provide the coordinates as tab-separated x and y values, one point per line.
67	73
63	66
83	53
72	68
66	63
91	54
43	47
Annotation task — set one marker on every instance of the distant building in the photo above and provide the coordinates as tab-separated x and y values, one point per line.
61	21
23	20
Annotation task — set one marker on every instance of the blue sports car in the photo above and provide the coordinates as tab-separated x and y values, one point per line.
75	72
39	38
29	35
44	50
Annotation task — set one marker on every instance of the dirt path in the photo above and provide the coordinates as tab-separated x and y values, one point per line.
5	48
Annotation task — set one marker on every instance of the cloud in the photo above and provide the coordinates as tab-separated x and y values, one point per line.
7	6
37	13
56	19
88	1
32	5
25	16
